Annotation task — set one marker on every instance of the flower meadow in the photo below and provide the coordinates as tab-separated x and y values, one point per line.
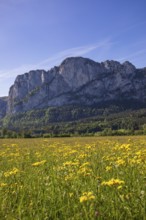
73	178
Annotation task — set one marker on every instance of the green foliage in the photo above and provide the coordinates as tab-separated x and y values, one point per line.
78	120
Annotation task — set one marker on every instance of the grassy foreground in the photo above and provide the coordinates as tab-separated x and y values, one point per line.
73	178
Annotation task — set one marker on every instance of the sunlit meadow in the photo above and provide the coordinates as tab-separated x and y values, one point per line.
73	178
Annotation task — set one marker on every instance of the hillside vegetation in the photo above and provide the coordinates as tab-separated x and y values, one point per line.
76	120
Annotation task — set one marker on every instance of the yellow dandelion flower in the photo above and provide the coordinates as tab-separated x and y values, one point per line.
120	187
71	163
85	164
87	196
14	145
120	162
82	156
85	171
88	147
11	172
139	153
112	182
108	168
3	184
36	164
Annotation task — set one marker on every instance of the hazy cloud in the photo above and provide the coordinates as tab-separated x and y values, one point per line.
55	59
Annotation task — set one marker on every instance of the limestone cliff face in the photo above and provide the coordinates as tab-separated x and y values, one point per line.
77	81
3	106
79	71
34	90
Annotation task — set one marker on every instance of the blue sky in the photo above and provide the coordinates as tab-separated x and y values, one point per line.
38	34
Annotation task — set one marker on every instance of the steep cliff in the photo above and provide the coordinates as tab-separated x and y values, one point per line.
78	81
3	106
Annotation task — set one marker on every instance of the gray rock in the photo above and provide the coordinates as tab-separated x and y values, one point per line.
76	81
3	106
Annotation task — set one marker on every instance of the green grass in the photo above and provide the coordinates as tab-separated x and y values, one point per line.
73	178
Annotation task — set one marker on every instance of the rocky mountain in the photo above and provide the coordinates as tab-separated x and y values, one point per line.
3	106
77	81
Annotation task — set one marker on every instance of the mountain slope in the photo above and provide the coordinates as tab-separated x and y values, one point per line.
77	81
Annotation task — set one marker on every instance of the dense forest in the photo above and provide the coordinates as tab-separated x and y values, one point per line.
109	119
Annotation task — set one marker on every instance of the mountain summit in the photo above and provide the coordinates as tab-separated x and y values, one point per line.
77	81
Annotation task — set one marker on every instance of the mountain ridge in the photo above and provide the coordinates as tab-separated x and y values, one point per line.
76	81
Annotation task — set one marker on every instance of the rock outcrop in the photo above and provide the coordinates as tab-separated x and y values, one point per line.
78	81
3	106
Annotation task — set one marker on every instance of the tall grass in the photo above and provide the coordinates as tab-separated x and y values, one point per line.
73	178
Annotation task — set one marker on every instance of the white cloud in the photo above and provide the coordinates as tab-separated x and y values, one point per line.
55	59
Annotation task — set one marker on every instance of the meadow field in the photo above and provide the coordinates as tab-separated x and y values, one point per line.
73	178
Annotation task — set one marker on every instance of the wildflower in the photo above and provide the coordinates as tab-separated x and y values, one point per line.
73	152
3	184
108	168
85	171
112	182
86	197
85	164
36	164
120	187
88	147
14	145
38	154
68	177
139	153
71	163
11	172
125	146
82	156
120	162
